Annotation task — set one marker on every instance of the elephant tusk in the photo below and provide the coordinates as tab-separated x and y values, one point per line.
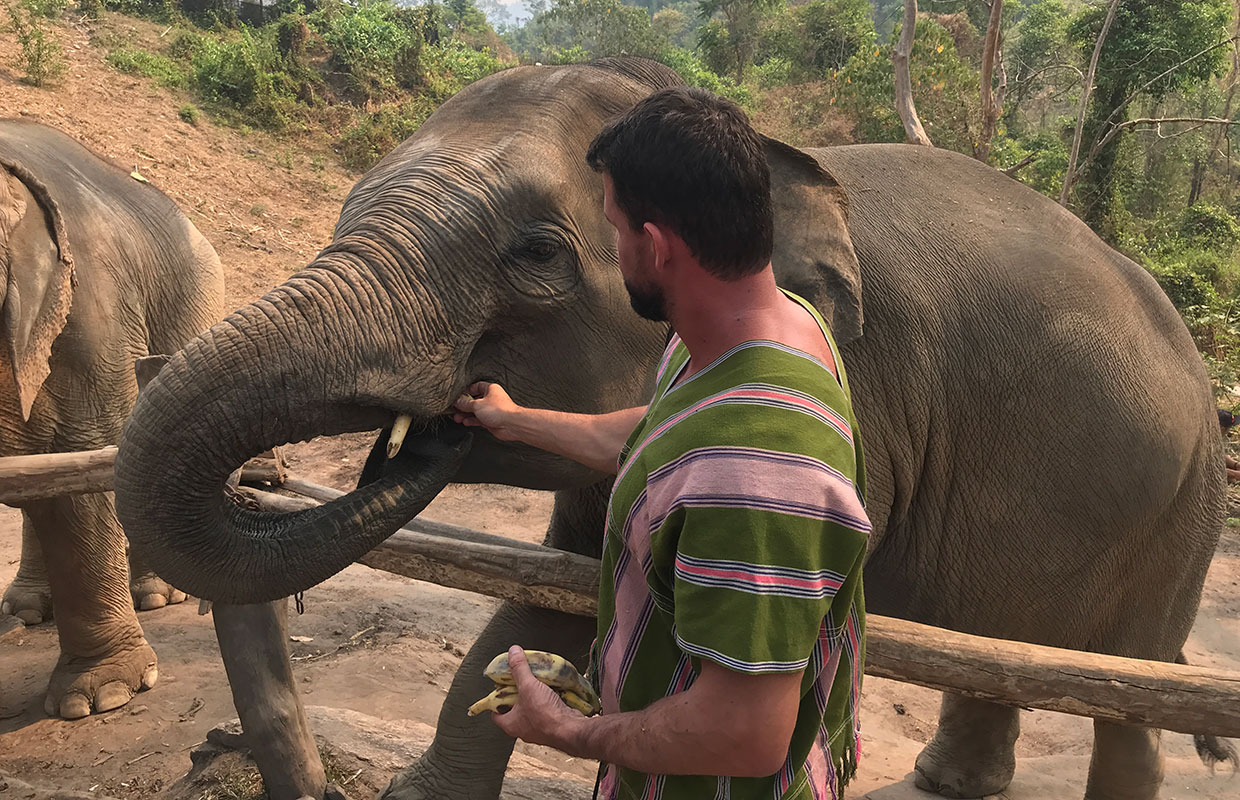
399	428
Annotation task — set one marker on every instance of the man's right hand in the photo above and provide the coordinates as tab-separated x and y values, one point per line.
591	439
487	405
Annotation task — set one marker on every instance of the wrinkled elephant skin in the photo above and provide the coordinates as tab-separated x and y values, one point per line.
98	270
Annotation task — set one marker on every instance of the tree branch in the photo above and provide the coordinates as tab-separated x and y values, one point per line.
905	107
1019	165
1087	90
1048	68
1128	100
1157	122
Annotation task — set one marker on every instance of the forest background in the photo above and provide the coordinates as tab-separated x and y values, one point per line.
1125	111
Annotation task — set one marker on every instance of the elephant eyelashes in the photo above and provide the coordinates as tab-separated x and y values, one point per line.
542	267
540	250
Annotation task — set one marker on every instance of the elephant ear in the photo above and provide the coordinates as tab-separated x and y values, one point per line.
37	270
814	254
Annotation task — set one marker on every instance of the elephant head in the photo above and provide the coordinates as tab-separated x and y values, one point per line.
476	250
36	277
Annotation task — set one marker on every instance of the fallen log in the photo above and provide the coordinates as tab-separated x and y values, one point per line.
1160	695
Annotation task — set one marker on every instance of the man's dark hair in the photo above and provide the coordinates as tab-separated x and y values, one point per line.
688	159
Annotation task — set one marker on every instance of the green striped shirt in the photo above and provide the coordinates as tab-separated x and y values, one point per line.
736	533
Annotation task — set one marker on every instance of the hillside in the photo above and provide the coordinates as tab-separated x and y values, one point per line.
267	203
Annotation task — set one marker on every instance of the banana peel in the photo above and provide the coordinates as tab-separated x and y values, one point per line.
555	671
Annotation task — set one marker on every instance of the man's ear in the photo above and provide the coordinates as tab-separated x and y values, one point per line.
661	243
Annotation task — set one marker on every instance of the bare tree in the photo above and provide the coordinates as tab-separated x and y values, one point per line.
913	130
992	102
1069	177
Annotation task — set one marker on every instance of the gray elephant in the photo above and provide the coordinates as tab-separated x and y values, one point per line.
99	270
1042	451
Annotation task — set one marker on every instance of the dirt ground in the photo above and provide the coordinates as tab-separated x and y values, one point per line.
379	650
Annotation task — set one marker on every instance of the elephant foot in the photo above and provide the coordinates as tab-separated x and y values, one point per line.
82	684
1127	763
956	780
151	592
28	600
972	753
416	783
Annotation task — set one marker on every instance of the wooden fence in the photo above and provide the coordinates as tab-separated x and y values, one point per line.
1158	694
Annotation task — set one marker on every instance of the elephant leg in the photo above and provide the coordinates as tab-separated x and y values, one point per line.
253	643
1127	763
148	590
104	658
972	753
29	597
467	759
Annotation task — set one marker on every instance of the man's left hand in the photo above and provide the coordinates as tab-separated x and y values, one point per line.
539	716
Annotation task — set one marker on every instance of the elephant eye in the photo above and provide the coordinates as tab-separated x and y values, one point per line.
541	249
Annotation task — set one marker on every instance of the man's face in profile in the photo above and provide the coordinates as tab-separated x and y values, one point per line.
636	260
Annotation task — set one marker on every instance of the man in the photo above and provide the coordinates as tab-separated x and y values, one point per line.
730	640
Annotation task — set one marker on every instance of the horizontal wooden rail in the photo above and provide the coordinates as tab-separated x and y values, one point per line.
42	477
1161	695
26	478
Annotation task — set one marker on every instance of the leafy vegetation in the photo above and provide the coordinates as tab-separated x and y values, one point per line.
132	61
1155	173
42	60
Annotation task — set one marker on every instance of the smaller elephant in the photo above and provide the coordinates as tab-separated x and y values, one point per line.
97	271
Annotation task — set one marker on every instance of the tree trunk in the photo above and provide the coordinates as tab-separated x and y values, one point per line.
1229	82
1196	180
905	107
1070	176
992	106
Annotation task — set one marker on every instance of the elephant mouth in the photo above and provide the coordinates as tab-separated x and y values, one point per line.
399	448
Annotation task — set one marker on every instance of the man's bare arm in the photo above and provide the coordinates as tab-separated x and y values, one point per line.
591	439
727	723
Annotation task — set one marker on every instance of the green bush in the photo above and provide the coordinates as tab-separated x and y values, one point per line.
133	61
161	10
376	134
945	88
246	72
695	73
776	71
1185	288
453	66
189	113
1209	227
92	9
49	9
292	33
378	46
42	59
186	44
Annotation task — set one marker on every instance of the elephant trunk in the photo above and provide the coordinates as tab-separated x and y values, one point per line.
265	376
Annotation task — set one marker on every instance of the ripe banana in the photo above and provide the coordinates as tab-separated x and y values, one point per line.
499	700
555	671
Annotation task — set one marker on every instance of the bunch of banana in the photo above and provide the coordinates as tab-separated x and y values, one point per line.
553	670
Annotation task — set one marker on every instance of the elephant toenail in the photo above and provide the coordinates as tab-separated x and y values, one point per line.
74	706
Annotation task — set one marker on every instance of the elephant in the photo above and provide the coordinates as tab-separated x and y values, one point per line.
1042	455
99	270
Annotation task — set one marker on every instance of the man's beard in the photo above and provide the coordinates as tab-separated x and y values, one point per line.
648	301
